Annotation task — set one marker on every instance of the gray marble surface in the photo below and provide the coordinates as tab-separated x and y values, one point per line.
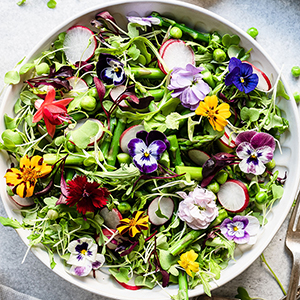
278	22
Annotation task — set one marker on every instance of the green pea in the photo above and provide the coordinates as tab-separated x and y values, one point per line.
221	177
42	68
52	214
219	55
71	147
93	92
253	32
271	164
124	158
88	103
261	197
295	71
175	32
213	187
124	207
297	97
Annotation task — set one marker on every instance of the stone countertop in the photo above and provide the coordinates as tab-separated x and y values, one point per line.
278	23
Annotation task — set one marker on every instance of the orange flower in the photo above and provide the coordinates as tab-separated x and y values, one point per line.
216	115
24	180
136	224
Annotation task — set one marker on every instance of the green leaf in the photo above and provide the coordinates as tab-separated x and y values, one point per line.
50	202
82	136
120	274
133	52
9	122
277	191
28	98
281	91
228	40
75	104
145	281
132	30
166	259
172	120
26	67
10	223
235	51
12	77
250	114
21	2
274	121
242	294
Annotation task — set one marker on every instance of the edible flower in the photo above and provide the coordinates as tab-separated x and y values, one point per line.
241	75
216	115
53	112
146	149
133	225
145	21
187	261
241	229
25	179
188	86
110	70
87	196
198	209
84	257
255	149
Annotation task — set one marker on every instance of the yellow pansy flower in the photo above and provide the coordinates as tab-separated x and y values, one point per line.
24	179
216	115
187	261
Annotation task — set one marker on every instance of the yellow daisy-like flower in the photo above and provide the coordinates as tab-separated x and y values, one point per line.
187	261
216	115
134	225
24	180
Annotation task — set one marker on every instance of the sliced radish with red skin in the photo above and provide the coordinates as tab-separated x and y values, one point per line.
113	244
224	143
161	50
97	137
79	86
166	205
233	196
79	43
198	157
128	135
264	83
22	202
128	286
111	217
177	54
116	92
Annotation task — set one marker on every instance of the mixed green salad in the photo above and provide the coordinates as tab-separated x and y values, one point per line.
145	152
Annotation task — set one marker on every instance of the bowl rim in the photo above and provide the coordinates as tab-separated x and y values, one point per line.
58	28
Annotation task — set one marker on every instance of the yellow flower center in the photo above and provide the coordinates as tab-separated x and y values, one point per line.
146	154
254	156
116	69
235	228
83	251
29	174
242	79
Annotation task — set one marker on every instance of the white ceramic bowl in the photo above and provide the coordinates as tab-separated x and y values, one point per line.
205	21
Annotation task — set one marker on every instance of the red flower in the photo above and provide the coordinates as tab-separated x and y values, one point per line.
86	195
53	112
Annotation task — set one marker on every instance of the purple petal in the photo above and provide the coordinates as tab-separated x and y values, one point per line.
253	166
245	70
154	135
145	164
261	139
80	247
237	82
232	75
251	83
244	150
234	62
156	148
106	75
136	146
142	135
81	270
264	154
245	136
243	239
243	219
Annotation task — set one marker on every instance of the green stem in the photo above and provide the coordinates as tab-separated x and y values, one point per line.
115	145
175	150
149	73
157	94
165	22
183	286
262	257
195	173
106	142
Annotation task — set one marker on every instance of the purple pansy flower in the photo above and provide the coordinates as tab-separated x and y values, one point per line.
188	85
144	21
241	75
84	257
146	149
198	209
241	229
255	149
110	70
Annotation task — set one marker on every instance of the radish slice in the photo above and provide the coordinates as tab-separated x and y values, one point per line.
233	196
166	206
97	137
116	92
79	86
128	135
176	54
264	83
198	157
111	217
113	244
224	144
22	202
128	286
80	44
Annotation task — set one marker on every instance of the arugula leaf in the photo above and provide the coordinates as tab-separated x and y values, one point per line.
10	223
